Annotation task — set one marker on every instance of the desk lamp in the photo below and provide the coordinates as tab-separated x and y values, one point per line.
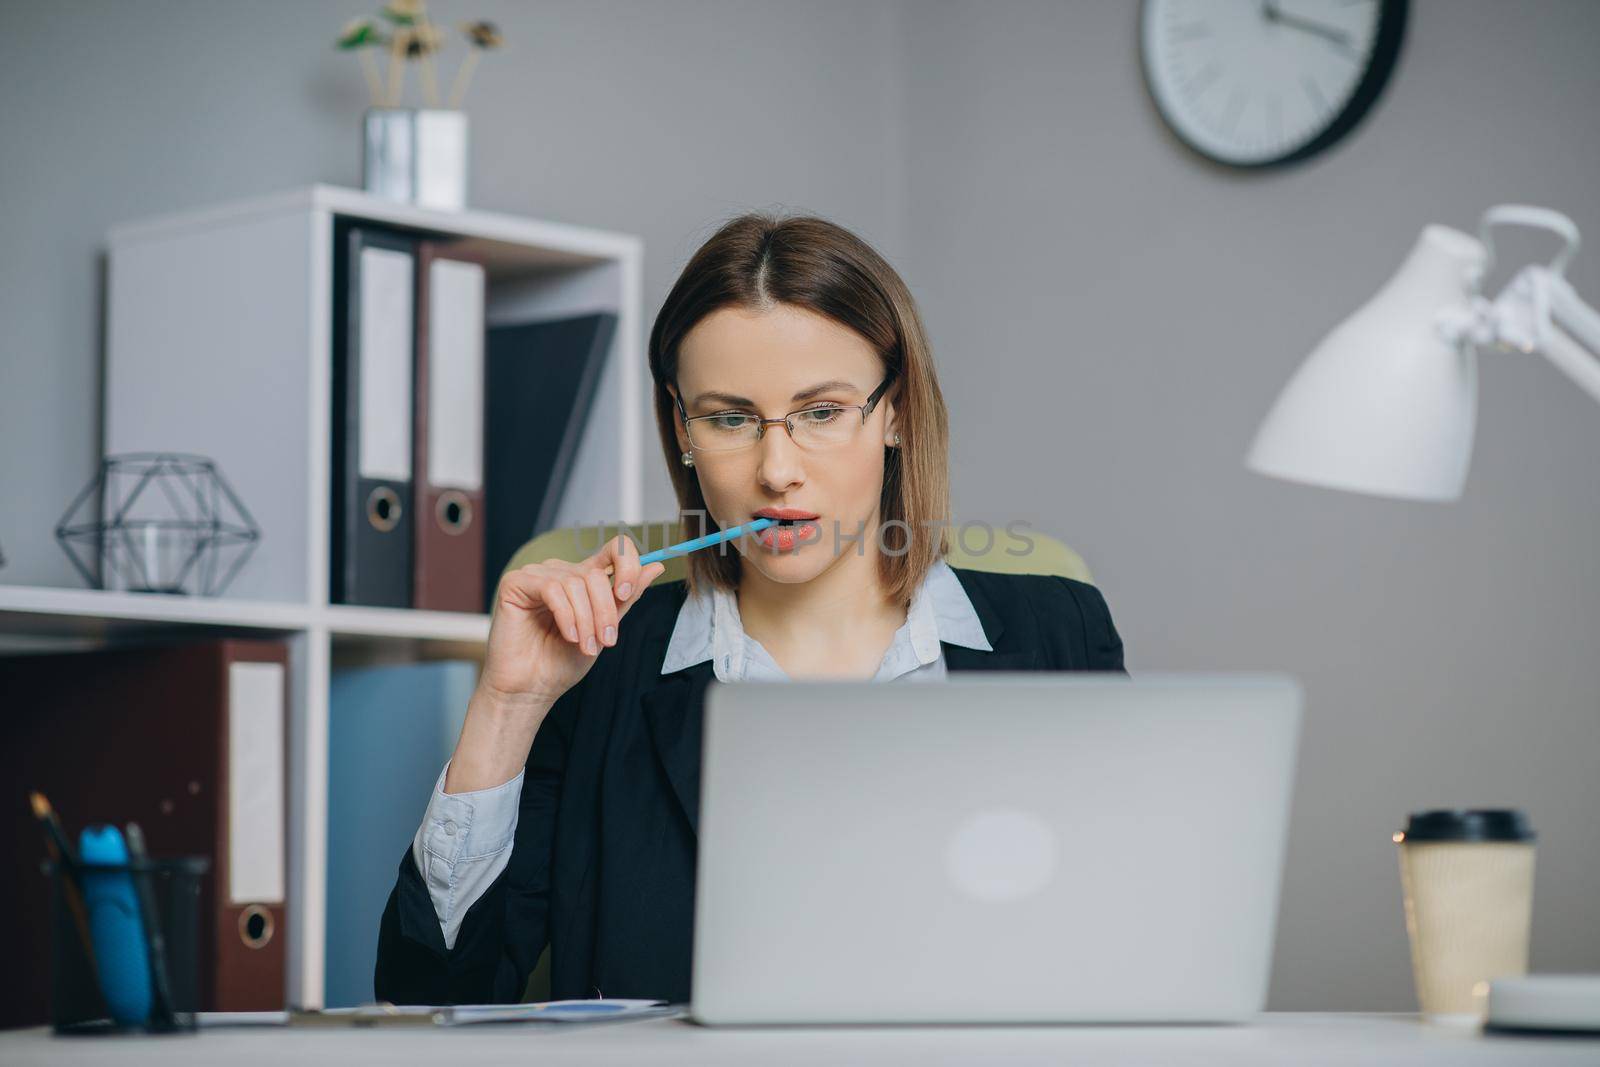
1386	403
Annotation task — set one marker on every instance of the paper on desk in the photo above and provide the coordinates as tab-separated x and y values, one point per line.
241	1018
553	1011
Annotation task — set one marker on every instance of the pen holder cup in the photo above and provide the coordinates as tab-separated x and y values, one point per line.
79	1001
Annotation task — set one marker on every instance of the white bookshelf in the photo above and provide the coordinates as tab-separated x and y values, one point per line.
35	612
26	610
219	341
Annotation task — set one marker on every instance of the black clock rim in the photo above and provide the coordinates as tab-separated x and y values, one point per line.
1385	58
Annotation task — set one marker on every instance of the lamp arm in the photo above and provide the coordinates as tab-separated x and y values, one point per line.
1541	218
1538	311
1574	343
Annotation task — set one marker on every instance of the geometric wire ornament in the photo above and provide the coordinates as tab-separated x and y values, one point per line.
170	523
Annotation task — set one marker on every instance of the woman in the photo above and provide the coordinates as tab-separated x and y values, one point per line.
791	373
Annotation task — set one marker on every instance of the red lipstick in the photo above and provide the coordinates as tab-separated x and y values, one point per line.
796	527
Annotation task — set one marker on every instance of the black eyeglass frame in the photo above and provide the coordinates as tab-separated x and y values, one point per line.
762	424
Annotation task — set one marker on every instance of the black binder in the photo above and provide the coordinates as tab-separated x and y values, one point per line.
540	380
374	346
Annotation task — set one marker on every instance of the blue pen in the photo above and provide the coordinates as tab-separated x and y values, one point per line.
683	548
122	957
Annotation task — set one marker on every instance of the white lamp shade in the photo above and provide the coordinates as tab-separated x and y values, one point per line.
1385	404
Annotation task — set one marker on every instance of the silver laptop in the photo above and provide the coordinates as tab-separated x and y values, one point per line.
1006	847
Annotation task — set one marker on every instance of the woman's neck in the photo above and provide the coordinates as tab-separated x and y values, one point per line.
839	623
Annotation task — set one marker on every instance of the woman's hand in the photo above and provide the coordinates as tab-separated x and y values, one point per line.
551	620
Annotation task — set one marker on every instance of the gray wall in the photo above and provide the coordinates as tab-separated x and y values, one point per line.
1147	307
658	119
1112	318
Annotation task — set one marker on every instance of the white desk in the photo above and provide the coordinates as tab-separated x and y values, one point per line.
1278	1038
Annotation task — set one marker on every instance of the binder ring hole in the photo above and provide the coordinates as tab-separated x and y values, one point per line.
255	926
454	511
383	508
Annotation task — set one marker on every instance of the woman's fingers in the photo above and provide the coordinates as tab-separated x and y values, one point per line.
646	575
578	592
603	605
555	598
581	598
625	566
533	585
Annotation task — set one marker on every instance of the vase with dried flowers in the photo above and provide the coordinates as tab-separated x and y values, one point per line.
415	155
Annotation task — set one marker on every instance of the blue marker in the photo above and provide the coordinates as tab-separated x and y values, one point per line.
683	548
121	955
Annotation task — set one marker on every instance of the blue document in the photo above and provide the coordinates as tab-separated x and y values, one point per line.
390	730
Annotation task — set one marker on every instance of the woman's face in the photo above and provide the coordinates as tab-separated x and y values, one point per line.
770	363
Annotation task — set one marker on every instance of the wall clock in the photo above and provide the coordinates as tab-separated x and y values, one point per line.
1261	83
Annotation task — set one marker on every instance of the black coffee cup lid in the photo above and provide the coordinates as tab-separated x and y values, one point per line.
1477	824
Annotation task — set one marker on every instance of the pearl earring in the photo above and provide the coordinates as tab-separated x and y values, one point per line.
687	459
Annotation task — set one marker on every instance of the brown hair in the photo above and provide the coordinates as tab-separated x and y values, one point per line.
757	261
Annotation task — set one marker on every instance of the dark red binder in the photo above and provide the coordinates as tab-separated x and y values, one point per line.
448	520
188	740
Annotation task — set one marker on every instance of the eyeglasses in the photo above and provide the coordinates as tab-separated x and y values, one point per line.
817	428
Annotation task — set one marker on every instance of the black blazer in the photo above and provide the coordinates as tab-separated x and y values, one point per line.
603	863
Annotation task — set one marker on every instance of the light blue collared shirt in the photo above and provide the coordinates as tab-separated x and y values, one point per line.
465	839
709	628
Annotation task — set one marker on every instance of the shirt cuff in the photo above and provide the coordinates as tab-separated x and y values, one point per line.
463	844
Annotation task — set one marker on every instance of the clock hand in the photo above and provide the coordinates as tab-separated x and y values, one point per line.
1271	12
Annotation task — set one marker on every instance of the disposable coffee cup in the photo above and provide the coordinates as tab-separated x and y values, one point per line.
1467	878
